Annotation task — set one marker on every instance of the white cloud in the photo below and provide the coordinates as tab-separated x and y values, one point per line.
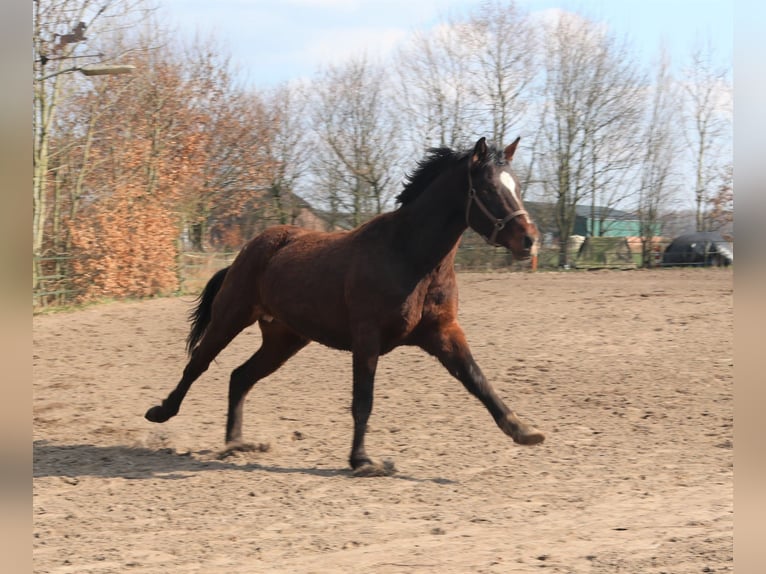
338	45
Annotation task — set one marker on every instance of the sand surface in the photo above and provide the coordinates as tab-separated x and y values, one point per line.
629	374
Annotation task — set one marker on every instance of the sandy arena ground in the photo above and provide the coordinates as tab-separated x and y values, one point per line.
628	373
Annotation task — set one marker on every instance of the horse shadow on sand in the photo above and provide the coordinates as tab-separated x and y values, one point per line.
70	462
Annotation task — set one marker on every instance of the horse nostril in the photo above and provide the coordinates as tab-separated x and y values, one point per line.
528	242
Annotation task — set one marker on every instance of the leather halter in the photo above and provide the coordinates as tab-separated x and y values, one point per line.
497	224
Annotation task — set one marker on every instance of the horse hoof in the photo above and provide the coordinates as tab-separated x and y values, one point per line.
157	414
520	432
528	436
386	468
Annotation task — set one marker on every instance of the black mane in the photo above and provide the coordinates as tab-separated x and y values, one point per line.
434	163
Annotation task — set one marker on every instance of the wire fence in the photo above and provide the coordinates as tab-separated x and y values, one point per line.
196	268
55	279
581	253
57	283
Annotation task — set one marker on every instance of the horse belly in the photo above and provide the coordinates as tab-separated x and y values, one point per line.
316	327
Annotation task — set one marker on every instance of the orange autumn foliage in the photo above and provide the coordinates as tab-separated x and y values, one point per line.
145	165
126	249
124	236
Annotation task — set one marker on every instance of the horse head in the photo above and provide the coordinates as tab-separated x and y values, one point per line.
494	208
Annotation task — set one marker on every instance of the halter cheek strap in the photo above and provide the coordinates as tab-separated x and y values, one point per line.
497	224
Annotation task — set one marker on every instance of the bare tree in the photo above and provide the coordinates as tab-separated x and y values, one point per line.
432	92
590	104
501	67
720	217
356	134
286	108
231	126
707	113
613	113
660	157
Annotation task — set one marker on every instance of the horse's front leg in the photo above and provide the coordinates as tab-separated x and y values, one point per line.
448	344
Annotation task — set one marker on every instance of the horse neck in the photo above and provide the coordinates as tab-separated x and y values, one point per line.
435	220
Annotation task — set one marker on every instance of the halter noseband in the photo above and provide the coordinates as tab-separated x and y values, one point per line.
497	224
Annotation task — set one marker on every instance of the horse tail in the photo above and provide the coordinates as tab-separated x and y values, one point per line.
200	315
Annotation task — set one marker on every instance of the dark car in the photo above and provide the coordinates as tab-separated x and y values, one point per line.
701	249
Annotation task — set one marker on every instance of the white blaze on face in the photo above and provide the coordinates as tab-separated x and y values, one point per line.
510	185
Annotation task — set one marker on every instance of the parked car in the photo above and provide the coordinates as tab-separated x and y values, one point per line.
701	249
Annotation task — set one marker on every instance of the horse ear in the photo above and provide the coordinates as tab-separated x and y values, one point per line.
479	151
511	149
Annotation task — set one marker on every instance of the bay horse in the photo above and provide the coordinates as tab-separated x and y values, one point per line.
389	282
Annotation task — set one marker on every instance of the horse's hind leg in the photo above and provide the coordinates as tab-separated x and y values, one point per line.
448	344
219	333
278	345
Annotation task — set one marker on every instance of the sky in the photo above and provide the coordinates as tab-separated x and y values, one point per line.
277	41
